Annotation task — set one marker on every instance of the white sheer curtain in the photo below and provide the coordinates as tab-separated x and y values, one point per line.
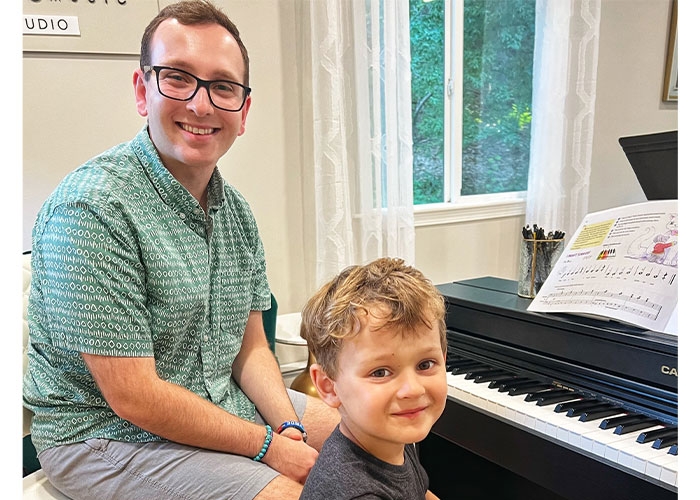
564	89
358	166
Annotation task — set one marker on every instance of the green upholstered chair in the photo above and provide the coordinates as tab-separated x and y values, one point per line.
269	318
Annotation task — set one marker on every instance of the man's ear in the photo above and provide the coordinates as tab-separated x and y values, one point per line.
244	115
139	81
325	386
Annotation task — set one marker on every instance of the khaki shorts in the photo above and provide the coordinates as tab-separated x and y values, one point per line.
107	469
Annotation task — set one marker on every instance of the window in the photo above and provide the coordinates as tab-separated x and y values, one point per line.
472	90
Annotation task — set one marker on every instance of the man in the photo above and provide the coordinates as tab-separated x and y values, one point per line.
149	371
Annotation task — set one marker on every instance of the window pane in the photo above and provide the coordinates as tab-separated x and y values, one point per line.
427	83
497	92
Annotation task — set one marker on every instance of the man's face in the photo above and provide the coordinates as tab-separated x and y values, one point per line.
191	136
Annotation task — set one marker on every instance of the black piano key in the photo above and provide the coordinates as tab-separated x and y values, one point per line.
515	382
527	388
579	410
664	442
564	407
550	399
464	363
451	364
494	374
459	370
591	415
642	423
496	382
649	436
673	450
610	423
471	374
460	360
534	395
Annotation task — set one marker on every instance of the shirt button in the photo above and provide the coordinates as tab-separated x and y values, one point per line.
206	338
182	215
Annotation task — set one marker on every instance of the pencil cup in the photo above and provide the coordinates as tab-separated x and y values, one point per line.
537	259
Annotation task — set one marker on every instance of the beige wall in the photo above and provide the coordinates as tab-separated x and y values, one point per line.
90	107
632	59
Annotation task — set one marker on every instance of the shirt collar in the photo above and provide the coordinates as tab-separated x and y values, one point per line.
169	189
215	190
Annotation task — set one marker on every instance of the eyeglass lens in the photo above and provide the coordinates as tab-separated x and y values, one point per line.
181	85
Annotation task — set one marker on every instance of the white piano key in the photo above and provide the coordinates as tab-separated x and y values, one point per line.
552	429
669	473
637	460
572	428
510	414
491	400
527	420
496	408
656	464
665	469
603	439
617	451
466	396
578	430
586	436
612	451
606	443
627	450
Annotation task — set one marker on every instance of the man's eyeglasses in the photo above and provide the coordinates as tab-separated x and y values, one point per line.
180	85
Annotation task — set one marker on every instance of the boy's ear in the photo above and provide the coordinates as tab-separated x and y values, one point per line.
325	386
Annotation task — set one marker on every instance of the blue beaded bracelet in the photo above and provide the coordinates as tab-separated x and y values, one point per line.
266	444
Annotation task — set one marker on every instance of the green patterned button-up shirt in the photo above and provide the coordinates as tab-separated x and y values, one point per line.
125	262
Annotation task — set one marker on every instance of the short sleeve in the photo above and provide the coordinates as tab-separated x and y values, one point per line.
92	283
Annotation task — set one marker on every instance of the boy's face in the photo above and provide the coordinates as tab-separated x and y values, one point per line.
390	388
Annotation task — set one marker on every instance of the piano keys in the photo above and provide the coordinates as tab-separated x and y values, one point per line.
571	407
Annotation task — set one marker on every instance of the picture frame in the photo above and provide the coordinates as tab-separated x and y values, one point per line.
670	92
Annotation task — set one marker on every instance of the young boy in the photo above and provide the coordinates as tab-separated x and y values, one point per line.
378	334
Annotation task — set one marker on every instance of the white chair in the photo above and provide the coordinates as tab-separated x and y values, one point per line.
35	486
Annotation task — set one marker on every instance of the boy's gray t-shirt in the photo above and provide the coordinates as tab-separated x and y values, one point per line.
344	471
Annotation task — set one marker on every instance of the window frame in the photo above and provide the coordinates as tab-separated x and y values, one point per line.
457	208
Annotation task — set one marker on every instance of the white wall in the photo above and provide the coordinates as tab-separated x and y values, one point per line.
631	64
89	107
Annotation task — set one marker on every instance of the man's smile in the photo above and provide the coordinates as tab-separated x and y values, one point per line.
196	130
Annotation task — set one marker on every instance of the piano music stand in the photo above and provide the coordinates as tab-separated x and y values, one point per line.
654	159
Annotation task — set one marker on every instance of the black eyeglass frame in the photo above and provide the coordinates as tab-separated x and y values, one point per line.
200	83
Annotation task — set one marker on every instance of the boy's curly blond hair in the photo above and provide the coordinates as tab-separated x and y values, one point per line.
403	296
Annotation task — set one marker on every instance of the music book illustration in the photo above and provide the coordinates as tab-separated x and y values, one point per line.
620	264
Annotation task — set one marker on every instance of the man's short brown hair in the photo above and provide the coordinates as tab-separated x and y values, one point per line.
190	12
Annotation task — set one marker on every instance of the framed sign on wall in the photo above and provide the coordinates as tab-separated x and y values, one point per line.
86	26
670	92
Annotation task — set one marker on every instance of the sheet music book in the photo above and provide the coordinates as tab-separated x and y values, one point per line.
620	264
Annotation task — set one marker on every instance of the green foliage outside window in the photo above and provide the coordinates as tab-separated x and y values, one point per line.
496	94
427	88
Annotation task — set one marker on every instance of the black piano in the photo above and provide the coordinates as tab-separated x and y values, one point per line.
551	406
